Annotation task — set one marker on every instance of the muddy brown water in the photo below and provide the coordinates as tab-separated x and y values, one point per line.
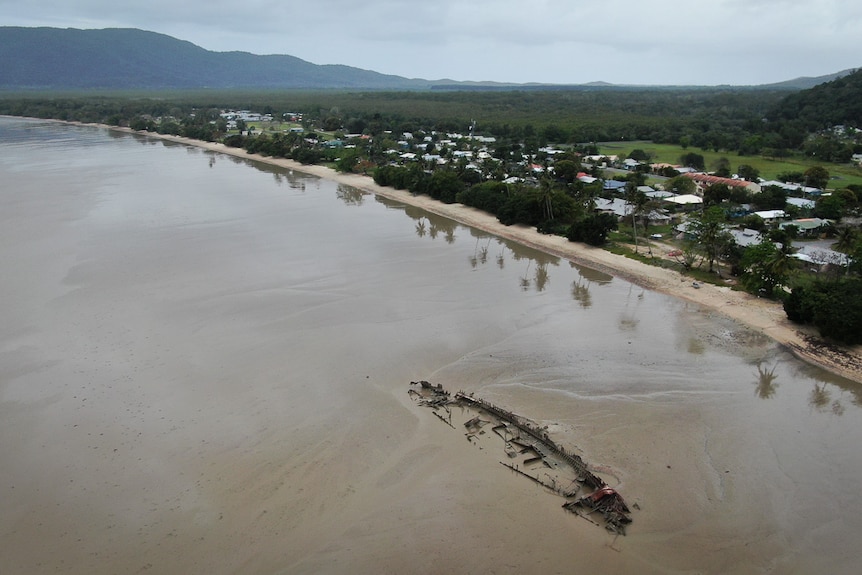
204	365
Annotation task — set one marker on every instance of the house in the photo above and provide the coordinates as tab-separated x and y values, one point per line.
807	226
613	185
820	258
616	206
658	194
791	187
801	203
686	201
746	237
703	181
771	216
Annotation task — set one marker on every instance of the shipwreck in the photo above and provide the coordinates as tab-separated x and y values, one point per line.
531	453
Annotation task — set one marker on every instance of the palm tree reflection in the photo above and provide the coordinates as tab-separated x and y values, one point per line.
420	228
525	280
820	399
581	293
765	386
541	276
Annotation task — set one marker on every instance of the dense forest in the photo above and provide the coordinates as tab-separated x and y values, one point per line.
749	121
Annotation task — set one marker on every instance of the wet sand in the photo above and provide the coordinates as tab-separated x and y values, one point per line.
166	409
763	315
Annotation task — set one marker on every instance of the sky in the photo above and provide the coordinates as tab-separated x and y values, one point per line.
645	42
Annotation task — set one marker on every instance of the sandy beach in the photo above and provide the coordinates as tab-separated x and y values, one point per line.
763	315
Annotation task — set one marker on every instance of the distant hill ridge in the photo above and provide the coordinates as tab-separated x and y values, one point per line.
128	58
125	58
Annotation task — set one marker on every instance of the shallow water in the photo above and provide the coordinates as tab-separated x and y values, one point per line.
175	321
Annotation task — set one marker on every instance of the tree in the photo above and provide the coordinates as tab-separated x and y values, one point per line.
817	177
639	155
834	307
444	185
747	172
693	160
637	200
680	185
715	194
847	239
710	234
721	167
566	170
757	274
593	229
829	206
770	198
347	162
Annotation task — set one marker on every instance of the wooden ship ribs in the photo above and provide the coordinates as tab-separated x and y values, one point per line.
530	437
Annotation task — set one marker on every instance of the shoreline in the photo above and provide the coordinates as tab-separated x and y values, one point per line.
765	316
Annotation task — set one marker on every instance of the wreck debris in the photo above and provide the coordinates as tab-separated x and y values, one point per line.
533	454
609	503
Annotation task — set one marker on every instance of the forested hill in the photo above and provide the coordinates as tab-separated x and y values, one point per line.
838	102
123	58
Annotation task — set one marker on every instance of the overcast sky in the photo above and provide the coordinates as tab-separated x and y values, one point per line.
556	41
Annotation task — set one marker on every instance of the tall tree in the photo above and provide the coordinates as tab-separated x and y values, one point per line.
817	177
711	235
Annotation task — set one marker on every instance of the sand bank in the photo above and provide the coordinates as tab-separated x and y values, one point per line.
763	315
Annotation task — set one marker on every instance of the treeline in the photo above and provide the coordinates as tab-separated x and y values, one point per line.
558	117
552	206
773	122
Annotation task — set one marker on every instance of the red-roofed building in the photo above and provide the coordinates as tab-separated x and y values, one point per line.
703	181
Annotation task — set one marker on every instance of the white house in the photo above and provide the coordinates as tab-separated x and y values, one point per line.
771	216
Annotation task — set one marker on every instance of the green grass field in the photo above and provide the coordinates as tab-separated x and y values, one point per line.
769	168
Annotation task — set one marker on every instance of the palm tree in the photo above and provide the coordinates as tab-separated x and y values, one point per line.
637	200
781	263
547	194
847	238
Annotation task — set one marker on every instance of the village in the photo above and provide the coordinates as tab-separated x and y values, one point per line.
621	186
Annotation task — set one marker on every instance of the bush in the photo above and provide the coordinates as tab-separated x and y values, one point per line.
834	308
593	229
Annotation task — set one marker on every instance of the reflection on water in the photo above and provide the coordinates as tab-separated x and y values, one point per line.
765	385
629	318
592	275
349	195
821	400
581	293
281	175
480	254
541	277
829	395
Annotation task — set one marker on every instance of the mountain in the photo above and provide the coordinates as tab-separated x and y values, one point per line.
806	82
829	104
127	58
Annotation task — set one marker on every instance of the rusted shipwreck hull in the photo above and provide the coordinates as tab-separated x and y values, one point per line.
528	436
